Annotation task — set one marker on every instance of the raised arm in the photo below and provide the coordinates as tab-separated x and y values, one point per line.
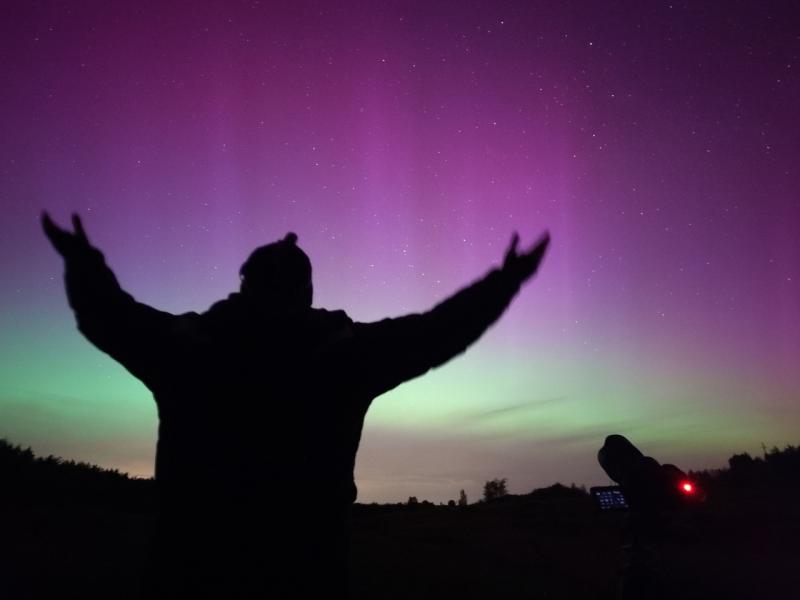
129	331
396	350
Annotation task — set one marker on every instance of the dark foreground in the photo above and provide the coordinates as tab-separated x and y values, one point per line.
551	544
72	530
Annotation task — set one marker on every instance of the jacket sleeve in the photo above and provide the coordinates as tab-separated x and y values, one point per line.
392	351
132	333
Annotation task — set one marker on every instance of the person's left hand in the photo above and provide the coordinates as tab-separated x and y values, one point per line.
68	243
523	265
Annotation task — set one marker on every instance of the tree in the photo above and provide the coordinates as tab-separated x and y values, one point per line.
494	489
462	498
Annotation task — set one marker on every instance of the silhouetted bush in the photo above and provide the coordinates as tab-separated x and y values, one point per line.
494	489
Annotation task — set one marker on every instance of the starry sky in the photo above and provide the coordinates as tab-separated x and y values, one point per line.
404	142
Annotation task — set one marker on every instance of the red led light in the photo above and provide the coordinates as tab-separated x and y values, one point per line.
687	487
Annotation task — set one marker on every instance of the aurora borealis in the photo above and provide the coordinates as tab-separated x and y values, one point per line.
404	142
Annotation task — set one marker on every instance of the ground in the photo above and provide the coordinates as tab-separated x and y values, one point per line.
551	544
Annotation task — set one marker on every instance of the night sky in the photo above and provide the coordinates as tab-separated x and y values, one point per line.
404	143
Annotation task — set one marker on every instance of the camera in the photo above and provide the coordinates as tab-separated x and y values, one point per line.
647	491
645	485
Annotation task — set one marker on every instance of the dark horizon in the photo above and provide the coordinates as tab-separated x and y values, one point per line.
737	544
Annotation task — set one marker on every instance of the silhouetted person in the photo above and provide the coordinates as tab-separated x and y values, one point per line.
261	401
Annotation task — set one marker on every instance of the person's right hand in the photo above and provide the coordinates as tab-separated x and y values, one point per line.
523	266
68	243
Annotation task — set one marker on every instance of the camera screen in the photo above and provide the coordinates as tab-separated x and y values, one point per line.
609	498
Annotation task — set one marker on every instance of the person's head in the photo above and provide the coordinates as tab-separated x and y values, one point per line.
278	274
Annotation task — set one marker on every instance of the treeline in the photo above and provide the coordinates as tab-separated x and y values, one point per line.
51	481
775	471
31	481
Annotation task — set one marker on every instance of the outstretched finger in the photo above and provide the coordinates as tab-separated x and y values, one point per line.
540	246
511	253
50	228
512	247
80	232
57	236
47	222
529	262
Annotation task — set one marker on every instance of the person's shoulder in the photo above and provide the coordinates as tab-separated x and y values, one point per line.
233	303
334	317
330	327
224	313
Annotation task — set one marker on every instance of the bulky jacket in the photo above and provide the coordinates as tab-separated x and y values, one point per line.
260	417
